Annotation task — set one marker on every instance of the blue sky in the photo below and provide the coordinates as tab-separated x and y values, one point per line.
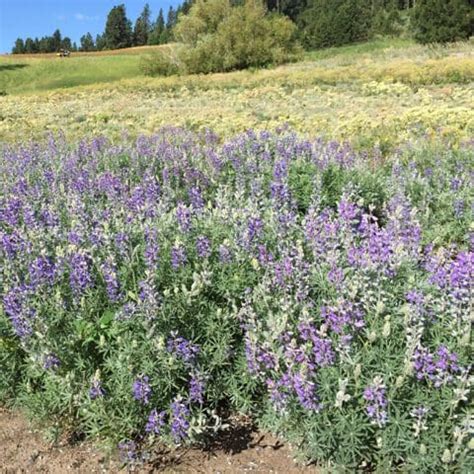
23	18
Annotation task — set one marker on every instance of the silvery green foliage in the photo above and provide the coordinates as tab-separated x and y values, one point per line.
149	288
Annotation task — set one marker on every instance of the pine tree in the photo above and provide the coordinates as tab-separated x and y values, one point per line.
56	41
19	47
186	6
87	42
30	46
157	36
100	42
170	23
442	21
290	8
142	27
335	23
118	29
66	43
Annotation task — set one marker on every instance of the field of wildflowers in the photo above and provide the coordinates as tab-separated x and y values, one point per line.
151	286
381	94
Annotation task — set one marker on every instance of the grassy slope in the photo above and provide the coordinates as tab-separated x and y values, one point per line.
35	73
30	74
382	92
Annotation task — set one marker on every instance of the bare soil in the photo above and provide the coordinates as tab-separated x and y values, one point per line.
240	450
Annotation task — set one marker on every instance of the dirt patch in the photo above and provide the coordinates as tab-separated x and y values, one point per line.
239	450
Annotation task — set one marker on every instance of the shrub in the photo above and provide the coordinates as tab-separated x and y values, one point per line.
217	37
163	62
442	21
148	288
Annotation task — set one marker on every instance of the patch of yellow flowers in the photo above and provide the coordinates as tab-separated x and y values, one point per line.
372	101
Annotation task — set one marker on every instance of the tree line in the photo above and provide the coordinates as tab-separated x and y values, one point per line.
119	32
318	23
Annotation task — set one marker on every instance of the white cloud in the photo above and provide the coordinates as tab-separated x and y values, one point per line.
82	17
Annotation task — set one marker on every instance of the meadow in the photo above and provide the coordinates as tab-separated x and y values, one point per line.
293	244
381	93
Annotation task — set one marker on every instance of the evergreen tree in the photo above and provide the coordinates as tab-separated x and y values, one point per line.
290	8
30	46
100	43
118	29
157	35
335	23
56	41
74	47
186	6
66	43
442	21
170	23
87	42
142	27
19	47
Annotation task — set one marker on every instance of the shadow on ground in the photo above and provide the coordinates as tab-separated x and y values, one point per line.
12	67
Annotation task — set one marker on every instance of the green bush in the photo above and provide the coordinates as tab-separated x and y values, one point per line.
217	37
163	62
442	21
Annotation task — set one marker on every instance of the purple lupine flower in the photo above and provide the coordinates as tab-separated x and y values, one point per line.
195	197
128	451
415	298
42	270
254	228
79	277
376	399
121	241
336	276
74	238
419	412
438	368
156	421
11	244
196	388
260	356
203	246
279	391
345	314
109	272
178	256
141	389
455	183
225	254
127	312
347	211
458	207
17	308
151	247
183	216
96	390
182	348
306	392
179	420
51	362
322	347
